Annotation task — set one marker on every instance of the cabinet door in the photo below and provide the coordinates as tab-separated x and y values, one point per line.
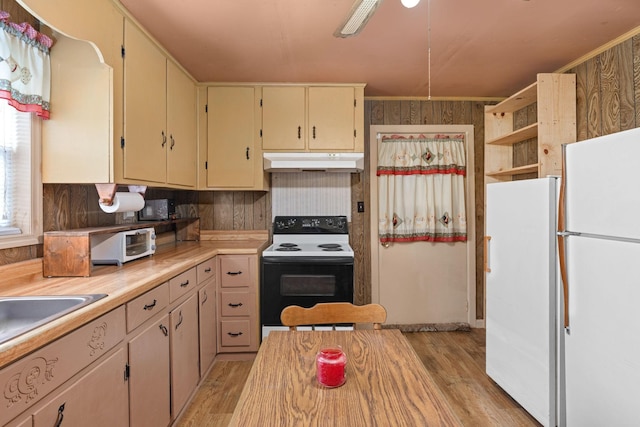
283	116
149	386
207	317
331	118
231	137
181	126
99	398
185	370
145	108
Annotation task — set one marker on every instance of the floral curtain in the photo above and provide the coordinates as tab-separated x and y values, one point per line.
421	188
25	68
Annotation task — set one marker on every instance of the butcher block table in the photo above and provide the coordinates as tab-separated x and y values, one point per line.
386	383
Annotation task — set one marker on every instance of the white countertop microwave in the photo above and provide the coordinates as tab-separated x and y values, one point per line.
124	246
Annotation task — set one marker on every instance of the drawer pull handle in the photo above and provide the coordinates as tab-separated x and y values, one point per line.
234	273
180	320
235	305
60	415
234	334
205	298
207	270
164	330
150	306
184	284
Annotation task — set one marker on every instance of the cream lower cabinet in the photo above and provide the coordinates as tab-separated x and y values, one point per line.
78	405
83	370
185	352
238	320
207	322
149	382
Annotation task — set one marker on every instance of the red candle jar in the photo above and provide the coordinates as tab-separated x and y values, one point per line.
330	363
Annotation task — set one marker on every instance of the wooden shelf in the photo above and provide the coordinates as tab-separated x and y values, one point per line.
516	136
521	170
517	101
549	108
67	253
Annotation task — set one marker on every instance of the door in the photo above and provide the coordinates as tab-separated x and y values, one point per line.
331	118
521	289
181	126
145	108
421	282
149	383
283	118
231	137
185	352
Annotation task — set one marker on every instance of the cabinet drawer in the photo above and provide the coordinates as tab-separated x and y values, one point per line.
235	271
236	304
182	283
98	399
147	305
206	270
31	378
235	333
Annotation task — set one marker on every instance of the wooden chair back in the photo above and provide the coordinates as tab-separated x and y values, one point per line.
333	313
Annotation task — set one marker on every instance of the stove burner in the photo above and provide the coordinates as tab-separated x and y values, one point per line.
329	245
338	249
288	248
288	245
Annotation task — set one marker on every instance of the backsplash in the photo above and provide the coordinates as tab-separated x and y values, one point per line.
311	193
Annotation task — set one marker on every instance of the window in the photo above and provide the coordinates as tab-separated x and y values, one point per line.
20	181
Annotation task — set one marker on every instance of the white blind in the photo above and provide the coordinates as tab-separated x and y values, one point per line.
15	164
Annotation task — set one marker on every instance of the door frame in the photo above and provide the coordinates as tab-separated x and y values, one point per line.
468	131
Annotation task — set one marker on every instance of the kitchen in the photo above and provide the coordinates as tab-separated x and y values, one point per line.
74	206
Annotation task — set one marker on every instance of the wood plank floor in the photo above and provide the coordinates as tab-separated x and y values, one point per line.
456	361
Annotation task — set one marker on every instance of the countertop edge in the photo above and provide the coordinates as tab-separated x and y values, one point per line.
122	284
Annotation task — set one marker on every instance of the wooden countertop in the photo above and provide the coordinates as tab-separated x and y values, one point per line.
386	383
121	284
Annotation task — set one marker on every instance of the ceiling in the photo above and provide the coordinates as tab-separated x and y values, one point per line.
479	48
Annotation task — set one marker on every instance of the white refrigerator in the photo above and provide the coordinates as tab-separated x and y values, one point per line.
578	367
601	347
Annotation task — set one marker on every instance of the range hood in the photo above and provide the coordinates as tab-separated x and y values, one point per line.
313	162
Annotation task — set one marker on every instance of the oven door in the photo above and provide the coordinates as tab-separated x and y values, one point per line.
303	281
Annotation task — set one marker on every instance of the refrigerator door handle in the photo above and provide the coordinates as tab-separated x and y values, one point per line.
487	239
562	255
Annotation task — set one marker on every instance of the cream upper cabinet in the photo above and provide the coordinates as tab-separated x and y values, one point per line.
283	118
313	118
159	143
145	106
181	126
84	76
331	118
234	158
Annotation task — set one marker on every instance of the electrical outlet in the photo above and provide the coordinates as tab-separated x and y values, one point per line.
360	206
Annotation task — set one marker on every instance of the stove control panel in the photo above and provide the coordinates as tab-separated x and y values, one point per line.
310	225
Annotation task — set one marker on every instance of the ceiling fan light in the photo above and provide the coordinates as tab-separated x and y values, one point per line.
409	3
361	11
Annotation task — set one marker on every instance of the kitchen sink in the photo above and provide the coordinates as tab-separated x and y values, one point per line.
22	314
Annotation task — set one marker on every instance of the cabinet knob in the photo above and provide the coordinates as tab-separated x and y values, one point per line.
247	153
164	139
173	142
